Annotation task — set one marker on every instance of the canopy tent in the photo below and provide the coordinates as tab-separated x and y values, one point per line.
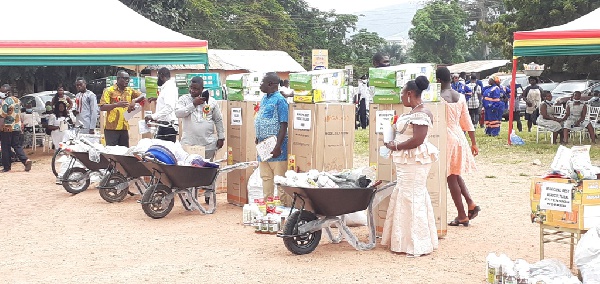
95	33
579	37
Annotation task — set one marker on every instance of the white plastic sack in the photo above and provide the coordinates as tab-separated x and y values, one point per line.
587	256
562	160
552	271
356	219
255	186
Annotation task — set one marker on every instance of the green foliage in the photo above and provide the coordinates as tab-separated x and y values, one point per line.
168	13
363	45
439	33
535	14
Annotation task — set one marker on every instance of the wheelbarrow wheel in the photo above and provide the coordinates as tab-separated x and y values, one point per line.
154	201
75	180
110	193
306	243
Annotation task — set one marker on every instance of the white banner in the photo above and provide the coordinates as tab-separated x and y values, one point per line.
556	196
236	116
302	119
381	117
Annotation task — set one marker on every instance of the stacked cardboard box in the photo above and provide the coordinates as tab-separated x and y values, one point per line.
151	84
581	212
327	85
211	83
321	137
386	170
240	148
134	82
244	87
387	82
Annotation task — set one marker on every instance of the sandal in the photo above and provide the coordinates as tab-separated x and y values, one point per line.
457	222
474	213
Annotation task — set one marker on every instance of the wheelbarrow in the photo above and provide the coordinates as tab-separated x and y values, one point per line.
77	179
122	171
320	208
168	180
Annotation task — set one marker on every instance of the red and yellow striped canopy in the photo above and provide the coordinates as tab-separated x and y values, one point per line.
579	37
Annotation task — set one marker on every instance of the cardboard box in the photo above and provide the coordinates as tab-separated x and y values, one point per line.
387	99
386	170
581	217
240	140
397	76
245	80
246	94
314	80
222	153
321	136
586	193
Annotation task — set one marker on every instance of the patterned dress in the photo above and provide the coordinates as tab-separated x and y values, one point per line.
551	125
410	223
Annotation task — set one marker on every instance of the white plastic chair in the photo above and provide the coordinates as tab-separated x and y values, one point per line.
541	129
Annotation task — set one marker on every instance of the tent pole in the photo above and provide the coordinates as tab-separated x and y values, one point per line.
513	93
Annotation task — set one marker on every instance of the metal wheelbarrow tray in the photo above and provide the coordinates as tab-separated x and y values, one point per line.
121	171
84	159
302	230
168	180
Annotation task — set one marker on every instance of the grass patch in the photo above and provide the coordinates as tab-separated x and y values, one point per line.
496	149
361	142
523	175
490	177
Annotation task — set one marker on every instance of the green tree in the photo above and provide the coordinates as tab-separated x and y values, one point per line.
439	33
396	53
363	45
172	14
533	14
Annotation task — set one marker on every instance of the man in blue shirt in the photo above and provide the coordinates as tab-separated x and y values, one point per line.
272	120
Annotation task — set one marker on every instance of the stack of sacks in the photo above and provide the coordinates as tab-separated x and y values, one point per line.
314	179
182	157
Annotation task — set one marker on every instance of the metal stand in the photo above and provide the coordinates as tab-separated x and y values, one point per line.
552	234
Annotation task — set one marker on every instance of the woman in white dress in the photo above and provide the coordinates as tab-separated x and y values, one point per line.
575	118
548	119
60	116
410	224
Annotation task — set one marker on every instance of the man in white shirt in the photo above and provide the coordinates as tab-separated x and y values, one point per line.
286	92
364	98
86	110
168	94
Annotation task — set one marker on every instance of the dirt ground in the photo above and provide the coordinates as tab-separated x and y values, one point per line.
51	236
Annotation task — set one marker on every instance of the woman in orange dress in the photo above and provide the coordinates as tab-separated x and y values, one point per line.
460	158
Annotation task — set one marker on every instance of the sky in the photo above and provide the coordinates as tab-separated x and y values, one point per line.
353	6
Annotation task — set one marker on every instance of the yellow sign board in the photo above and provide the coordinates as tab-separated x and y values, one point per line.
320	59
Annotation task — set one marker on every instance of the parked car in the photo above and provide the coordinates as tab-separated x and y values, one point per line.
566	88
548	86
38	100
591	89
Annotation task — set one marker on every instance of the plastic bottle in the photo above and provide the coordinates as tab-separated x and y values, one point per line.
246	214
491	267
256	224
263	208
510	277
277	201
